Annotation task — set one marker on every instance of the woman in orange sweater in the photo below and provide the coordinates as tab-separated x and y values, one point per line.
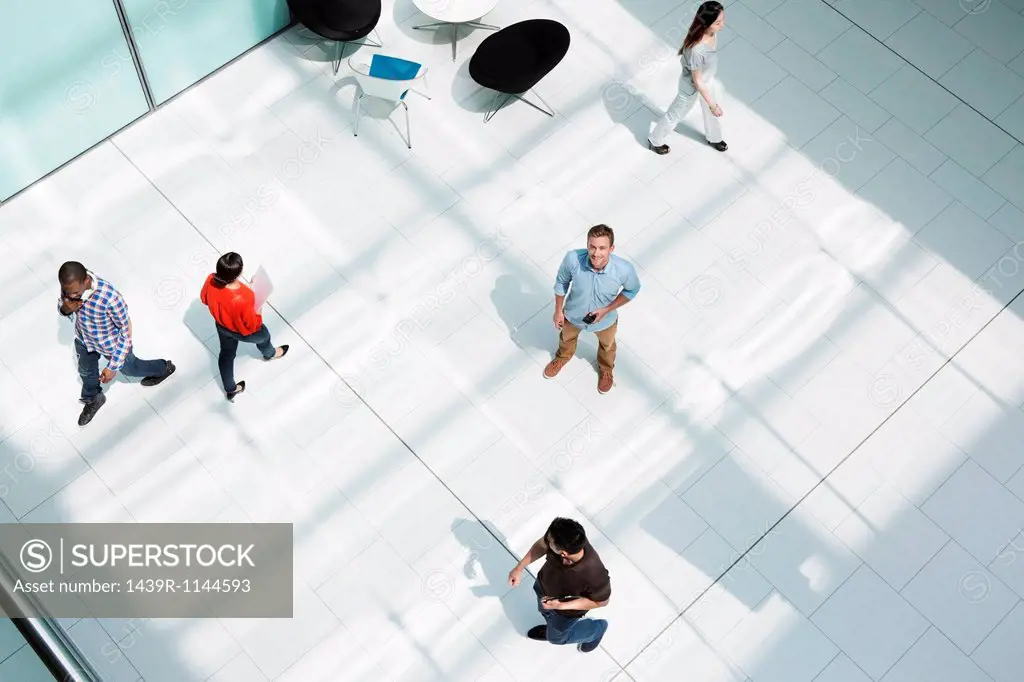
233	306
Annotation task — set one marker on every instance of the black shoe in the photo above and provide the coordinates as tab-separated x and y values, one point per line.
539	633
239	387
275	356
720	146
91	408
663	149
588	647
153	381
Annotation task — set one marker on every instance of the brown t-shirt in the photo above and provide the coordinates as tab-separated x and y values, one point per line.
586	578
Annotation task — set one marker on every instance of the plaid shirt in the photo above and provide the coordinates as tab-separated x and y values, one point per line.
101	324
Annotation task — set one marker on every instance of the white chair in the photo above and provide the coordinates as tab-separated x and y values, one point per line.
389	79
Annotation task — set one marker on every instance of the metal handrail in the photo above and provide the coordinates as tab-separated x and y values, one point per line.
47	638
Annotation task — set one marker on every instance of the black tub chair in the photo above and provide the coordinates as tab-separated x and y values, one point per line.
516	58
343	21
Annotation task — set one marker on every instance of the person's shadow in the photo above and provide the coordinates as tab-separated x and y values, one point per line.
537	336
634	111
517	302
507	289
489	560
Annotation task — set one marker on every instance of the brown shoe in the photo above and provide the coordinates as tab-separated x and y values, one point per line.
604	381
554	367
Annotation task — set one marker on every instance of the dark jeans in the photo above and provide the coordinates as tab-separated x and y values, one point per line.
229	347
562	630
89	369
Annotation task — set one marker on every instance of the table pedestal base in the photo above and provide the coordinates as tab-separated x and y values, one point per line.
455	29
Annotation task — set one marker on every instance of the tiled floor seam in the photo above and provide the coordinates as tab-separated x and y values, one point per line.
644	362
916	68
874	430
842	652
1002	620
810	616
911	647
299	335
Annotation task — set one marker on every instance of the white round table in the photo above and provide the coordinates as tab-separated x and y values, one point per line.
456	13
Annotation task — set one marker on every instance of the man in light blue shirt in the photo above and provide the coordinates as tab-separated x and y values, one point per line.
591	284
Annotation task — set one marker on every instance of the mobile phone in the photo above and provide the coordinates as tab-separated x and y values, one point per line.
589	318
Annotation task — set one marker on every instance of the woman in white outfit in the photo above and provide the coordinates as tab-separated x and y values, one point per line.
700	62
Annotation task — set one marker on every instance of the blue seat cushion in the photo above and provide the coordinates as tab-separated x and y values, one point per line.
392	68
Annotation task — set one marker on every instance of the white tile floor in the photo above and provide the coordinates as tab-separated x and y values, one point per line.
822	337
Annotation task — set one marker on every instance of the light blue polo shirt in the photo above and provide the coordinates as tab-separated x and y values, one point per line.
592	289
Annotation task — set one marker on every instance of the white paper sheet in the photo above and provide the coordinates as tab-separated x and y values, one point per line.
261	286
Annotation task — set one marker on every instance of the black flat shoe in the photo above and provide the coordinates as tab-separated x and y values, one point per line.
539	633
275	356
663	149
239	388
153	381
720	146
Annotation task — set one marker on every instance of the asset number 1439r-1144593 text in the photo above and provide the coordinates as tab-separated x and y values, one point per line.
150	585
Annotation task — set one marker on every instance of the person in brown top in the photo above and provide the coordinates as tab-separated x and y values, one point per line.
572	581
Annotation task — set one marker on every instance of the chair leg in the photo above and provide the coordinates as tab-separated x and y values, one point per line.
493	107
426	86
359	111
408	131
365	43
372	43
477	24
543	111
455	39
433	25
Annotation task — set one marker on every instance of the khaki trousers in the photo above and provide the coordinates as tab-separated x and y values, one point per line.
605	344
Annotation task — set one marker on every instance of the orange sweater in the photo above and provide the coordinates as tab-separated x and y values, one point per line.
234	309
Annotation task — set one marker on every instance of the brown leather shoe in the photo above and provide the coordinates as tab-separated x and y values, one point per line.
554	367
604	381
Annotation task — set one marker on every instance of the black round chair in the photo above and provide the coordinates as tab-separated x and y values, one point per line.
343	21
516	58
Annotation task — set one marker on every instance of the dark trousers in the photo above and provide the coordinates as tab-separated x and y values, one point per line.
562	630
89	369
229	341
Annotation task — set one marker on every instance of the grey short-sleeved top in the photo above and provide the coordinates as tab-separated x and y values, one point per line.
702	57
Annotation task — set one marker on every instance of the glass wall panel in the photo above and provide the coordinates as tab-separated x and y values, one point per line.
181	41
67	81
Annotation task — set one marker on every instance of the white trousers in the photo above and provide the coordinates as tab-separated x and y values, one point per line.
681	106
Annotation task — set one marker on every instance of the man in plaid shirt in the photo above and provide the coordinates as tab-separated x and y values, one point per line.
102	327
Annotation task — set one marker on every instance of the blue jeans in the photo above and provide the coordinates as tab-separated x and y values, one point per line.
89	369
562	630
229	341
